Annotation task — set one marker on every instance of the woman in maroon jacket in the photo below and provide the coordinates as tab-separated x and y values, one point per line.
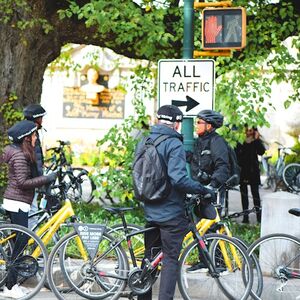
22	181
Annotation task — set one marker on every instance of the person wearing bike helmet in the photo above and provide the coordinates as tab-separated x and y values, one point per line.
35	113
210	159
22	181
168	214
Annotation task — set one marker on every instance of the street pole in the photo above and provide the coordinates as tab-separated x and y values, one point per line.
188	49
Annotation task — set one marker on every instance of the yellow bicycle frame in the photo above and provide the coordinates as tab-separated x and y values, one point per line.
47	231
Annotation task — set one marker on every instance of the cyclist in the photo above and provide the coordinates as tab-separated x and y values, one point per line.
18	195
35	113
168	215
210	157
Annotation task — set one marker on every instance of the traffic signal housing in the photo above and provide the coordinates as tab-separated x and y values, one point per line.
223	28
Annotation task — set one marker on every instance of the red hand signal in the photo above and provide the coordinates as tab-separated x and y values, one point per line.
211	29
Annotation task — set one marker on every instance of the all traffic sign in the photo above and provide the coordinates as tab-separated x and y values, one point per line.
187	83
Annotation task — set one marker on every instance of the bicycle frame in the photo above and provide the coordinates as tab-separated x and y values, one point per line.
47	231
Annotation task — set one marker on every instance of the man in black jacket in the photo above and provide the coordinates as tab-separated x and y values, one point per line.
35	113
210	157
168	215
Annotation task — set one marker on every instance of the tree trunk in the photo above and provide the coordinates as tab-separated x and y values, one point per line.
24	57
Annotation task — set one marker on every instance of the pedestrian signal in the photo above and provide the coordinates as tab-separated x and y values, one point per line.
224	28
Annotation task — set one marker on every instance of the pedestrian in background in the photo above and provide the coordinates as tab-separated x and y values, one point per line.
247	155
22	180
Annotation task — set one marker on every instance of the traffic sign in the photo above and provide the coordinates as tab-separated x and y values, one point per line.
187	83
224	28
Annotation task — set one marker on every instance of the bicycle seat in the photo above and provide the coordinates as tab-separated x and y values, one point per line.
267	157
295	211
117	210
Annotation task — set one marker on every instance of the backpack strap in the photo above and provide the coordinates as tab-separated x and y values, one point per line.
160	139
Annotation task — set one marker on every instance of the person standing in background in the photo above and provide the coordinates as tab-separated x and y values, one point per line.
35	113
247	155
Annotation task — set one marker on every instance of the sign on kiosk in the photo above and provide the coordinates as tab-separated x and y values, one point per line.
187	83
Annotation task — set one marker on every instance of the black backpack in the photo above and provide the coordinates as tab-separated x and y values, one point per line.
234	167
150	180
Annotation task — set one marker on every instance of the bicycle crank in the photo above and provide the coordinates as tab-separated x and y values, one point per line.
26	266
136	284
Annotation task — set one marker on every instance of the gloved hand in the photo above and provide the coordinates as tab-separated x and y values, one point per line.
51	177
203	176
210	194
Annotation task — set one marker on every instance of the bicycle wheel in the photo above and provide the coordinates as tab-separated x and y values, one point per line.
86	183
23	253
84	278
279	257
257	285
232	265
291	177
273	179
137	241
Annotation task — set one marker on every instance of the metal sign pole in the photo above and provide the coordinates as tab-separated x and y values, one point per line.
188	49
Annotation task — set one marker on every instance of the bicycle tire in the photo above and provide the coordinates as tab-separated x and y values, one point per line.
202	285
291	177
74	271
31	261
274	251
137	241
257	285
272	179
87	184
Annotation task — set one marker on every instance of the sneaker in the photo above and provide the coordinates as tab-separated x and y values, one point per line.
197	268
15	293
24	289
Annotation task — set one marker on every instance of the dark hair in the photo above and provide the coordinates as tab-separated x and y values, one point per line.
28	150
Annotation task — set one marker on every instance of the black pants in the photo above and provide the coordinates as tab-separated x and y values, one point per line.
255	195
169	236
19	218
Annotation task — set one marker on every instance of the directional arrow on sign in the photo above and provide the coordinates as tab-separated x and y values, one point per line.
190	103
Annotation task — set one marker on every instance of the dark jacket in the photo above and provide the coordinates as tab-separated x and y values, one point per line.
21	185
248	161
39	156
172	154
210	155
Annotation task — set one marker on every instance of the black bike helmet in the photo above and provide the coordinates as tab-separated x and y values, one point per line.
212	117
33	111
169	113
21	129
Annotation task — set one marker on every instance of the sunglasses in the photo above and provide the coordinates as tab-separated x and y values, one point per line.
201	122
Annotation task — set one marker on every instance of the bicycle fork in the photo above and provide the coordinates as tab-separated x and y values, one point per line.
205	257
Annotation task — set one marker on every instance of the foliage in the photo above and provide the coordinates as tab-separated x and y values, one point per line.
8	16
248	233
295	156
113	176
10	116
94	213
244	79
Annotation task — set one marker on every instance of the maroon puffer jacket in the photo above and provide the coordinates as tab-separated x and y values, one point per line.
20	185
